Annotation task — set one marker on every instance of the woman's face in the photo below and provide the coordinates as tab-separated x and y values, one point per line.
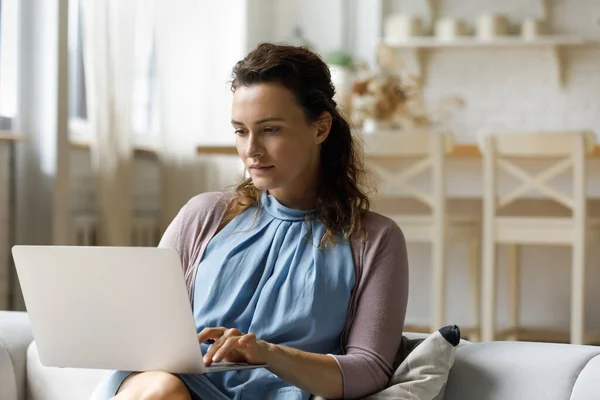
277	144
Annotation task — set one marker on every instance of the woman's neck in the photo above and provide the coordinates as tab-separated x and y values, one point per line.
301	194
298	201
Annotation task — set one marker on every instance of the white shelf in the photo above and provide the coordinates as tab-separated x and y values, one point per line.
507	41
553	43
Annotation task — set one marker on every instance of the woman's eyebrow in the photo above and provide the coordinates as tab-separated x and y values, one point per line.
260	121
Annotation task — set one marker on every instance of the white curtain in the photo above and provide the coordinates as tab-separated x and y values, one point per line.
197	44
109	33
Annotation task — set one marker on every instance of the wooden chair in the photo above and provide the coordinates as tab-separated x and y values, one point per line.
563	151
426	152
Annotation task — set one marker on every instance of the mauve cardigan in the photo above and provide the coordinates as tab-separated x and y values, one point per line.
375	318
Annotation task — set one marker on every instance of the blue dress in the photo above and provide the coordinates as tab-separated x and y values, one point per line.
264	273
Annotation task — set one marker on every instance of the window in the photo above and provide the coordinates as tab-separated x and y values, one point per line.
9	13
77	104
143	118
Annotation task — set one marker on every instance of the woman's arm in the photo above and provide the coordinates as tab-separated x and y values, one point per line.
317	374
375	333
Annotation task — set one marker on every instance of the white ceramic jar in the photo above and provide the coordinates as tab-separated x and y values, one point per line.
448	29
491	26
403	27
531	28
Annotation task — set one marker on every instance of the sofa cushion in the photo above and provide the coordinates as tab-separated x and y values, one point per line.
587	386
15	336
519	371
51	383
422	367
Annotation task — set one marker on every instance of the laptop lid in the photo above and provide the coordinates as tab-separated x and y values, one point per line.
106	307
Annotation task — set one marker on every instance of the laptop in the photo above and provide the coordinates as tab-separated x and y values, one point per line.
119	308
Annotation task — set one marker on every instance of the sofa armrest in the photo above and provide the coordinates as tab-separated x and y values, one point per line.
15	337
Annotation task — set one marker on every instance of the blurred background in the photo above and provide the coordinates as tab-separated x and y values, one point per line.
114	113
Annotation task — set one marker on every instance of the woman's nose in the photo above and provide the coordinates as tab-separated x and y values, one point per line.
254	149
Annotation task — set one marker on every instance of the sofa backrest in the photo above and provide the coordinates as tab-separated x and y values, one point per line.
527	371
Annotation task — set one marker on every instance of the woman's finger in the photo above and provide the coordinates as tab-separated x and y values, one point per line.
210	334
230	344
247	338
210	353
232	332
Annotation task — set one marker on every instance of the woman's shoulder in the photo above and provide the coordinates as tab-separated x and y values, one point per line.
377	227
210	198
208	203
381	237
382	247
201	214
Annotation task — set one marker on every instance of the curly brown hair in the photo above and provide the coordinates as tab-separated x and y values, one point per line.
340	200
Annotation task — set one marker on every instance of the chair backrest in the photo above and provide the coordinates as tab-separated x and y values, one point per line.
537	144
426	152
391	144
569	149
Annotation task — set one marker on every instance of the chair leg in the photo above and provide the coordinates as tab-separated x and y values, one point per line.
514	287
439	285
474	273
488	326
578	292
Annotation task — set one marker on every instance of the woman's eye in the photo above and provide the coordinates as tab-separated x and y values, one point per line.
271	129
239	132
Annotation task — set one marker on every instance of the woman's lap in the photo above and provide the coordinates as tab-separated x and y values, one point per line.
199	386
109	386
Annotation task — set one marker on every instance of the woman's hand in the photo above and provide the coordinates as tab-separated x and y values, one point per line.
231	345
315	373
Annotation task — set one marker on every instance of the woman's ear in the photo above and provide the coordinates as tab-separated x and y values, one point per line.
323	124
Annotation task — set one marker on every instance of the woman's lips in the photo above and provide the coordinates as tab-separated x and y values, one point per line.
261	169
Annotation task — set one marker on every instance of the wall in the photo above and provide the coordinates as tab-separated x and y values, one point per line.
319	20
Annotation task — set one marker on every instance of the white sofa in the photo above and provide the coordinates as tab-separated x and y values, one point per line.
482	371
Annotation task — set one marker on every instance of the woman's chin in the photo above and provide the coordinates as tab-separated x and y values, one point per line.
263	184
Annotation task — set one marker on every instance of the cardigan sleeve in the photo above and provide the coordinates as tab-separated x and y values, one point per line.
172	236
376	332
194	225
192	228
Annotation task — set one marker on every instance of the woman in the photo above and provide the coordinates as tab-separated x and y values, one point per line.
292	270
